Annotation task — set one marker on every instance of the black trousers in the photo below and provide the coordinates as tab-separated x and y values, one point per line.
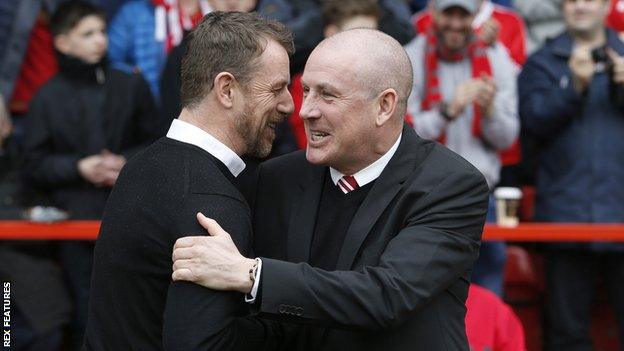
571	277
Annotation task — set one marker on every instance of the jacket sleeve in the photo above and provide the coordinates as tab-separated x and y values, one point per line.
436	247
41	165
547	102
197	318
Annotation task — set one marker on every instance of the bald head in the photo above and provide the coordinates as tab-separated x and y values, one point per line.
376	60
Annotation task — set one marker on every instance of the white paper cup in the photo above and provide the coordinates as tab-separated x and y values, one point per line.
507	206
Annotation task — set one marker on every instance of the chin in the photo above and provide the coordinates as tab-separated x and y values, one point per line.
315	157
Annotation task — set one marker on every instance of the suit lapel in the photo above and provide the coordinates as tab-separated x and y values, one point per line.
386	187
301	225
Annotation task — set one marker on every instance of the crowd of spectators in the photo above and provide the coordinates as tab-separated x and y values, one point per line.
531	92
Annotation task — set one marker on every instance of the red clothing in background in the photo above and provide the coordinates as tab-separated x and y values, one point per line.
511	35
615	18
491	325
38	66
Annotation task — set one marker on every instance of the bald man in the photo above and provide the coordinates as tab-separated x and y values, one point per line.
369	236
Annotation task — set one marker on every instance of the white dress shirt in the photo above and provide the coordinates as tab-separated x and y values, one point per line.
372	171
190	134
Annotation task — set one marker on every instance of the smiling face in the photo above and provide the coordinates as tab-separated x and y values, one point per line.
87	41
267	101
454	26
338	111
585	16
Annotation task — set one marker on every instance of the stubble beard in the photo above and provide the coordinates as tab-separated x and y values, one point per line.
254	145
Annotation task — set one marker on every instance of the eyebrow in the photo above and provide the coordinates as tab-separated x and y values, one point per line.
323	86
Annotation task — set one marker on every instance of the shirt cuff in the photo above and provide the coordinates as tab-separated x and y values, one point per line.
251	297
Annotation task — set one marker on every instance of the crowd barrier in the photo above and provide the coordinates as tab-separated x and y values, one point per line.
528	232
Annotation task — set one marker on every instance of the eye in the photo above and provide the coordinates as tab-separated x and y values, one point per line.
327	94
306	90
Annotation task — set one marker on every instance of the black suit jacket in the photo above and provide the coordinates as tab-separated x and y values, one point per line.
404	269
133	304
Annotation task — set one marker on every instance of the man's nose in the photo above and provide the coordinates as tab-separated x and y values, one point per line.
286	105
309	108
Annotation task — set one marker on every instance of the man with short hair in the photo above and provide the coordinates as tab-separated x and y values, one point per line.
234	92
572	104
371	230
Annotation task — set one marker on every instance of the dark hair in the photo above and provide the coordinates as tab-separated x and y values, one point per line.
227	42
338	11
69	13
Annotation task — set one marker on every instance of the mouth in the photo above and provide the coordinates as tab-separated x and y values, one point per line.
317	136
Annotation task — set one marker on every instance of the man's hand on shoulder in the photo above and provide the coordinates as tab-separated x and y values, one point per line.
212	261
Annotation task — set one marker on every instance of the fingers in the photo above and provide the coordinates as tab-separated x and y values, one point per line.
210	225
184	253
183	274
189	241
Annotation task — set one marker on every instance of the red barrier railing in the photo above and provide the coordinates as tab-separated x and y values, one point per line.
532	232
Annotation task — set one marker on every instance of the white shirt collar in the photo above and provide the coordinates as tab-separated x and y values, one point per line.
190	134
372	171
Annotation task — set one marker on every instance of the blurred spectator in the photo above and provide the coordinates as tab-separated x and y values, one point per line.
492	22
491	325
571	102
26	55
338	15
464	95
305	21
37	314
81	127
144	31
543	20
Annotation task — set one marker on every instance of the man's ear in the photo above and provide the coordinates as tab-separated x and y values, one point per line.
388	101
62	44
224	85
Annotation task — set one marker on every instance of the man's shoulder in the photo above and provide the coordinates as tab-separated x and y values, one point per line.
292	162
173	162
438	162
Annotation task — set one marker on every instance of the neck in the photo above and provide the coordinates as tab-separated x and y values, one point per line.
592	39
380	148
213	124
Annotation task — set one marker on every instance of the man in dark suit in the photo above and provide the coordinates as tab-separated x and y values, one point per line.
370	235
234	92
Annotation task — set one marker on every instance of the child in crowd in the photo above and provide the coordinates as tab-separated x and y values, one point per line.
82	126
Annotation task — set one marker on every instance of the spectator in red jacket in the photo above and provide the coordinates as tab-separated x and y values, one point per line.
491	325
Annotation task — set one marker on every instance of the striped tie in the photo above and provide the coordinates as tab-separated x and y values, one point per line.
347	184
